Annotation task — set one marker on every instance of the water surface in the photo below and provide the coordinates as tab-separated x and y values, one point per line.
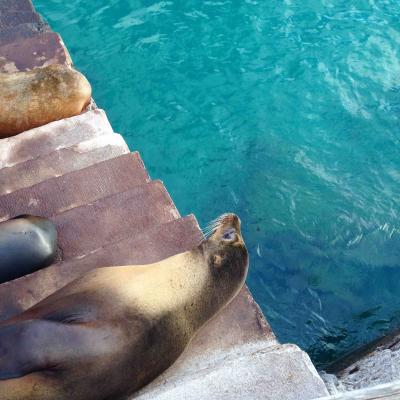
285	112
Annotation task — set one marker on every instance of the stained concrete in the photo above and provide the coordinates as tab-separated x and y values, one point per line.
22	31
374	364
15	5
257	370
11	18
112	218
33	52
61	162
54	136
87	185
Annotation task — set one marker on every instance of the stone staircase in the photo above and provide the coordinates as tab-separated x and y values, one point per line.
108	211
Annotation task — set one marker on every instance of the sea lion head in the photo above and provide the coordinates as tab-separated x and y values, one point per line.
225	251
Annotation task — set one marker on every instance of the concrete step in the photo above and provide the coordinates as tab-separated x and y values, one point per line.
257	370
152	245
61	162
33	52
54	136
75	189
110	219
22	31
16	5
11	18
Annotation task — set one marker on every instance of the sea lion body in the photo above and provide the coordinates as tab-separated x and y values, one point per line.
42	95
115	329
27	243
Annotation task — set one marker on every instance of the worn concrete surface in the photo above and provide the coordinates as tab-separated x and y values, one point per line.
382	366
112	218
15	5
374	364
19	20
75	189
388	391
22	31
33	52
61	162
255	370
54	136
11	18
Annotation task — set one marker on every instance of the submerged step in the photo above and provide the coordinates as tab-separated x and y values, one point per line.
152	245
54	136
37	51
61	162
110	219
75	189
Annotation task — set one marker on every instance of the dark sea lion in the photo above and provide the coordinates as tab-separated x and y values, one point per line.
27	243
42	95
112	331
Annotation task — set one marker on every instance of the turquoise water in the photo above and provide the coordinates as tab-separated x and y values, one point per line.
285	112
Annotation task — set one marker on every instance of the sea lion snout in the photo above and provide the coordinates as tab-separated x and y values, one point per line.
229	220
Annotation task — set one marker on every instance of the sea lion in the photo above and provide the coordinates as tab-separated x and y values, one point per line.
112	331
42	95
27	243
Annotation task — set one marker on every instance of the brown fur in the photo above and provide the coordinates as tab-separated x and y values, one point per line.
114	330
34	98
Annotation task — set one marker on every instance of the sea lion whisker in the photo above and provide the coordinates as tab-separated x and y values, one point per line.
214	225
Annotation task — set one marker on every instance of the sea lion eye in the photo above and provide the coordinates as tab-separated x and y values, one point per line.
229	234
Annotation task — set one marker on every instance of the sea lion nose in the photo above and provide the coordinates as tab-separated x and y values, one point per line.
232	220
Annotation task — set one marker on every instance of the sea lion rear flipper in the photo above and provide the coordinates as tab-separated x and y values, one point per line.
39	345
16	356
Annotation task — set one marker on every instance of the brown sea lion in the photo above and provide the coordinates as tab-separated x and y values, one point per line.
27	243
42	95
112	331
